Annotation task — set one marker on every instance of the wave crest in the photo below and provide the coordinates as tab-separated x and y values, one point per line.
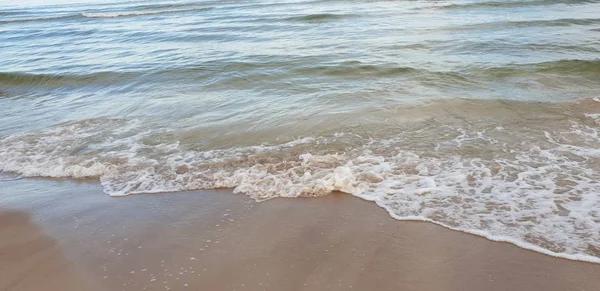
321	17
117	14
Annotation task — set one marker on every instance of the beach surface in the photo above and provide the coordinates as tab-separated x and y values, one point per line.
62	235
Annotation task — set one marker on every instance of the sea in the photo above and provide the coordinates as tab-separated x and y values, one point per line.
481	116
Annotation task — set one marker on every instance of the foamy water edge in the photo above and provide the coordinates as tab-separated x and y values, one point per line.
394	182
496	238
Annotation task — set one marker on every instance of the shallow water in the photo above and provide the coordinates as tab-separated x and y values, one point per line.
480	116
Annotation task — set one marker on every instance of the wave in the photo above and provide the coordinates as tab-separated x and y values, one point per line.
165	6
503	47
507	4
112	14
528	177
570	67
57	80
117	14
355	69
526	24
11	13
554	22
41	19
586	68
322	17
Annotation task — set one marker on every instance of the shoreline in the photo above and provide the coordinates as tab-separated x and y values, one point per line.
216	240
505	239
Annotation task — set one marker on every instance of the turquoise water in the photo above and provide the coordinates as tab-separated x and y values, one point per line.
481	116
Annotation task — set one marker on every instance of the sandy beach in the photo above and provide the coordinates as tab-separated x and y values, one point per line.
62	235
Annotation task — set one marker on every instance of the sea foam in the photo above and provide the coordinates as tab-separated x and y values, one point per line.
540	194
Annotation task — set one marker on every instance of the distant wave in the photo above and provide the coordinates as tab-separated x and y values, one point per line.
516	46
321	17
9	13
40	19
167	6
524	24
18	16
139	13
505	4
554	22
494	4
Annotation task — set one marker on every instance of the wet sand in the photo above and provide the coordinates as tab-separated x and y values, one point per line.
62	235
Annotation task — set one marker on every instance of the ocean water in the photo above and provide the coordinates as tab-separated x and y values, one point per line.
481	116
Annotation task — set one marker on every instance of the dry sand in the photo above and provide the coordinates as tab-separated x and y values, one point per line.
70	236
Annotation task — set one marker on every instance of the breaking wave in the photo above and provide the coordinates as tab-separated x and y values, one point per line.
534	185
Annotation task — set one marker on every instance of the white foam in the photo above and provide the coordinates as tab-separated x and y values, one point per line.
539	195
594	116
